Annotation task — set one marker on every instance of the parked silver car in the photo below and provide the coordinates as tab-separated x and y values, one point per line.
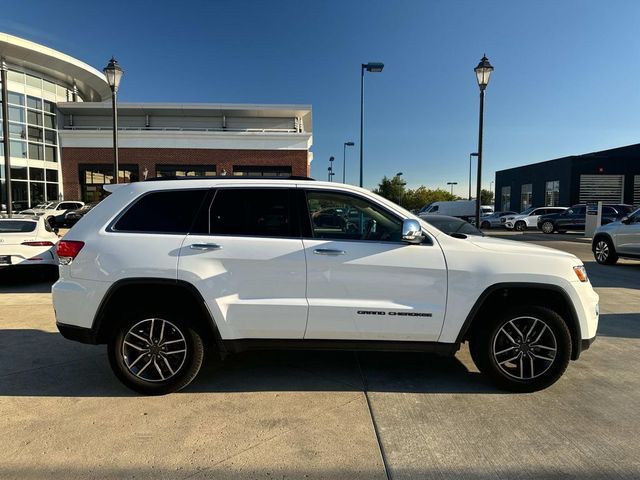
495	220
617	239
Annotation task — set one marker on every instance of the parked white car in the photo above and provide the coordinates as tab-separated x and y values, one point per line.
529	218
52	209
160	269
27	242
620	239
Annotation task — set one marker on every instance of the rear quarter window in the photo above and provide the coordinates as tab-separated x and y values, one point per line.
171	211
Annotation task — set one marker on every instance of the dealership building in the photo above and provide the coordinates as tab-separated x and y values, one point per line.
60	143
611	176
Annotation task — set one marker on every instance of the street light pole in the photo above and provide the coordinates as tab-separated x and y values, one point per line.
402	184
373	67
483	72
344	160
330	169
470	155
452	184
114	72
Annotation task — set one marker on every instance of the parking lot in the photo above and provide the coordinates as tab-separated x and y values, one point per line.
305	414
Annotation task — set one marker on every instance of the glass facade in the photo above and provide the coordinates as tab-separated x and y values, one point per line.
93	177
552	194
506	198
261	171
526	195
185	170
33	138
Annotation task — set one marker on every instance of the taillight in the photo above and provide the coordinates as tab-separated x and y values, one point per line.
67	250
38	244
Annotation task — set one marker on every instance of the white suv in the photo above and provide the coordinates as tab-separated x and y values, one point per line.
529	218
160	269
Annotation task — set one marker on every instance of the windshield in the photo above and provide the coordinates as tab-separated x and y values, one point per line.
17	226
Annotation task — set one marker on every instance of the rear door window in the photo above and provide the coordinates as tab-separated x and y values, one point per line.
170	211
253	212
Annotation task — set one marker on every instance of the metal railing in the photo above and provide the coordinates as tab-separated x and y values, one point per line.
186	129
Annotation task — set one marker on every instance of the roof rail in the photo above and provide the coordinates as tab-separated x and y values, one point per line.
227	177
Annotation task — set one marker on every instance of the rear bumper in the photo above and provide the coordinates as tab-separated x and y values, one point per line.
78	334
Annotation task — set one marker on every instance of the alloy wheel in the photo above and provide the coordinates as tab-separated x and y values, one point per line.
524	348
154	350
602	251
547	227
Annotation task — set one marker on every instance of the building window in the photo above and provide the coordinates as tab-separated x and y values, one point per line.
506	198
525	196
185	171
552	194
261	171
93	177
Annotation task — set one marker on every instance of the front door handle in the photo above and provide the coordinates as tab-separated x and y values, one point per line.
328	251
205	246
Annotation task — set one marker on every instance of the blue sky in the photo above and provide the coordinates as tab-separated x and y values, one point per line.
566	80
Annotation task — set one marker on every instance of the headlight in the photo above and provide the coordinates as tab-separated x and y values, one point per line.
581	273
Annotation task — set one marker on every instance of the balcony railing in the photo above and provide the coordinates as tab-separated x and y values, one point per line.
186	129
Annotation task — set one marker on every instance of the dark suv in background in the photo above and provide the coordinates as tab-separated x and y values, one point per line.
574	218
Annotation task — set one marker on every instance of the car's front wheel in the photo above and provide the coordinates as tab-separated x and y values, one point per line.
526	349
547	227
485	225
155	354
604	252
520	226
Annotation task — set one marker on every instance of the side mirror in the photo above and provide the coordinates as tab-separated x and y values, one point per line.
625	220
412	231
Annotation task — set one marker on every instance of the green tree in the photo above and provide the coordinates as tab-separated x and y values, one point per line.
486	197
391	189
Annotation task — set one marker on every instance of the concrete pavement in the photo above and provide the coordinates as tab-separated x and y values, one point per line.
304	414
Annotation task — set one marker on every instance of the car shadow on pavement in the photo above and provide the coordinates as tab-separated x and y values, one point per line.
39	363
32	280
624	274
621	325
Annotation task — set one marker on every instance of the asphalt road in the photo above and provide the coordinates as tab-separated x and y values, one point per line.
304	414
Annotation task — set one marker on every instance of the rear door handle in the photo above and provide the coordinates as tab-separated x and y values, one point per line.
205	246
328	251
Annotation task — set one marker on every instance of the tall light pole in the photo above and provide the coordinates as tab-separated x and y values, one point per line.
373	67
491	189
452	184
114	72
470	155
344	160
402	184
483	72
330	169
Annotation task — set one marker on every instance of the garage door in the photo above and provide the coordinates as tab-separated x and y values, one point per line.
636	191
606	188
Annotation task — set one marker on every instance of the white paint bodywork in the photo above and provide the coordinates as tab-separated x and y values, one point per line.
531	220
12	244
280	288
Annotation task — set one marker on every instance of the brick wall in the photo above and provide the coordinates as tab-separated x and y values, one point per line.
149	157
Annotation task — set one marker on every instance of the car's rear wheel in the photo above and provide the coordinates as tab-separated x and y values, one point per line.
485	225
604	252
524	350
155	354
520	226
547	227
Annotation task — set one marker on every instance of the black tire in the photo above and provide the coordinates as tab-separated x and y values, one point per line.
604	252
485	225
547	227
520	226
179	371
534	366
